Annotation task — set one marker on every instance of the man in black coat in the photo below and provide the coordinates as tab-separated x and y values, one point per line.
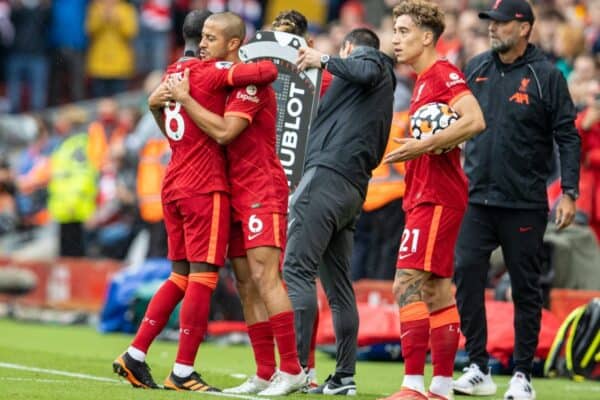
346	142
527	108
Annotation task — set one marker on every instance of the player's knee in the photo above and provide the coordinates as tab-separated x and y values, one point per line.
437	293
408	286
436	300
266	277
244	285
430	299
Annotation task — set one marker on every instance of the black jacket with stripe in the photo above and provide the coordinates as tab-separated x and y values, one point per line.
527	107
352	126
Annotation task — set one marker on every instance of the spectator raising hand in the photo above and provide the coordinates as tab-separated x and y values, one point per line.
111	26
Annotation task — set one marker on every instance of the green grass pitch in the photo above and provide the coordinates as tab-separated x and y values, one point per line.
41	362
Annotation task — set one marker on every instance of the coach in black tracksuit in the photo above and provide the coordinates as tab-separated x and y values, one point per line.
526	106
347	141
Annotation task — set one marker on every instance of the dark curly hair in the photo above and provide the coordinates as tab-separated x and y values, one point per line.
290	21
424	14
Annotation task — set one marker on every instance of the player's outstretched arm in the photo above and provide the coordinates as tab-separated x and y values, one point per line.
222	130
363	71
255	73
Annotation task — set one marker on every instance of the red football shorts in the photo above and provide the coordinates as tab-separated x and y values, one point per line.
257	230
198	228
429	238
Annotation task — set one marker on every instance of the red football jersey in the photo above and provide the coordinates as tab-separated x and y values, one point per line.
437	179
197	163
326	79
256	176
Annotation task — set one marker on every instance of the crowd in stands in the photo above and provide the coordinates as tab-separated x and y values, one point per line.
56	52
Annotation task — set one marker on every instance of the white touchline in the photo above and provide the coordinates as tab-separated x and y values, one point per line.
57	372
38	380
102	379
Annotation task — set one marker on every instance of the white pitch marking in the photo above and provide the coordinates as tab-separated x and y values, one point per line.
56	372
37	380
99	378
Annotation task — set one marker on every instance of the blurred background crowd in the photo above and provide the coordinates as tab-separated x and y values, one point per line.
81	158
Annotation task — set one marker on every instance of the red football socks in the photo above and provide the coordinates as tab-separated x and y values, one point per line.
445	332
159	310
414	337
193	319
285	336
263	346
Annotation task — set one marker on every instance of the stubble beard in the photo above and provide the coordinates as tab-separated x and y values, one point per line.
502	47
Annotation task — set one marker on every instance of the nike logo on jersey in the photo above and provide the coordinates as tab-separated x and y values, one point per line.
481	79
404	334
403	256
254	236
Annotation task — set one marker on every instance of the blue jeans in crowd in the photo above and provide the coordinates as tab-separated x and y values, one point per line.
108	87
31	70
152	50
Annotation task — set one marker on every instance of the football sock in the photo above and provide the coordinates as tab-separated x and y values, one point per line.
414	336
445	332
263	346
157	315
441	385
182	370
193	319
285	336
414	382
136	354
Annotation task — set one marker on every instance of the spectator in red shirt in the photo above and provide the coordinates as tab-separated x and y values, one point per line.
588	124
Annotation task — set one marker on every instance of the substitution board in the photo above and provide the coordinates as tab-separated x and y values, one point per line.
297	95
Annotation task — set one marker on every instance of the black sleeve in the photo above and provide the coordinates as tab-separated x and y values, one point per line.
475	64
565	133
363	70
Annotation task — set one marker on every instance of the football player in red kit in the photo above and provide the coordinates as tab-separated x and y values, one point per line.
259	195
195	197
434	202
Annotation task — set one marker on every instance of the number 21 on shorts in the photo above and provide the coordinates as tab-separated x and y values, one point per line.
410	237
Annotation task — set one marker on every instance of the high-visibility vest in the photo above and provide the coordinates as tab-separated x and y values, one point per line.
152	166
72	187
387	181
99	144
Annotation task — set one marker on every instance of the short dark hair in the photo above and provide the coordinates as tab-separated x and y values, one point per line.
362	37
193	25
290	21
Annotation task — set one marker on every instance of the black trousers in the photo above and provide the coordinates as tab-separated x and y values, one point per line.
158	240
520	235
376	242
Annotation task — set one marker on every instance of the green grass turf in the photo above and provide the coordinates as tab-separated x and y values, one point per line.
82	350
